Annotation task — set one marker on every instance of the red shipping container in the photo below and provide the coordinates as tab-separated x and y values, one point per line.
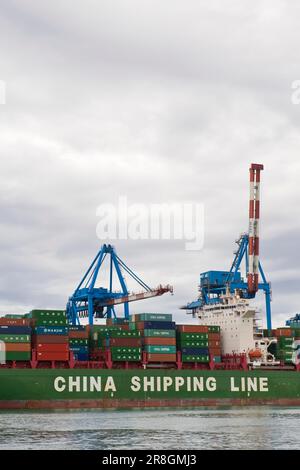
14	322
214	344
161	357
283	332
50	339
79	334
214	336
22	347
54	356
192	328
52	347
131	342
215	351
160	341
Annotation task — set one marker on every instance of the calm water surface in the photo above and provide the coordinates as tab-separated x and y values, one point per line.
234	428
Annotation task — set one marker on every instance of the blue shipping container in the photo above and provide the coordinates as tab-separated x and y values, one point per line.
79	349
195	351
81	357
51	330
15	330
159	325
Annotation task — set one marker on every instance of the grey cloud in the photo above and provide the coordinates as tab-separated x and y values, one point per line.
161	102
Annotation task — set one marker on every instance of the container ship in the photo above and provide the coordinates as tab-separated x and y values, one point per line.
49	359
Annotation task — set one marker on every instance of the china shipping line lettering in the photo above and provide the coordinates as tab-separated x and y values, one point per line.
158	384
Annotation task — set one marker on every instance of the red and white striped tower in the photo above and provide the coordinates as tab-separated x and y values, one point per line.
254	207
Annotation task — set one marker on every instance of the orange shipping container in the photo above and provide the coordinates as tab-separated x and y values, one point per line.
14	322
215	351
79	334
158	341
214	336
214	344
21	347
192	328
50	339
161	357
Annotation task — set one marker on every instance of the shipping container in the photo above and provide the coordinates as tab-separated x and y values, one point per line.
125	350
15	330
156	325
78	341
51	330
192	344
24	347
15	338
160	333
192	328
51	339
214	337
160	341
192	336
52	356
78	334
126	357
125	334
58	347
191	358
161	357
165	317
14	321
18	356
195	351
215	351
160	349
47	313
121	342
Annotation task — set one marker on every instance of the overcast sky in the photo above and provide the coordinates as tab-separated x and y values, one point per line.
163	102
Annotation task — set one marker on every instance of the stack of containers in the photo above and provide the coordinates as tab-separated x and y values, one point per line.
214	343
159	335
50	339
125	345
193	342
285	343
99	336
15	333
79	342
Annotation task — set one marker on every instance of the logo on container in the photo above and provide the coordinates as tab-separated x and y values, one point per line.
125	221
2	353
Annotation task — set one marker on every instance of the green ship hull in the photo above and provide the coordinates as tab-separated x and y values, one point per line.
136	388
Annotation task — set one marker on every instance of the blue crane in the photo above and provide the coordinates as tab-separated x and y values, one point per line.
99	302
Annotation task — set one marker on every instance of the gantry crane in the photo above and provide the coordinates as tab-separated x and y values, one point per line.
98	302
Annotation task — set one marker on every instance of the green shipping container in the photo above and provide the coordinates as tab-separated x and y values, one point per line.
15	338
78	342
51	322
192	344
182	337
125	334
151	317
160	349
126	357
18	356
214	329
189	358
39	314
160	333
125	350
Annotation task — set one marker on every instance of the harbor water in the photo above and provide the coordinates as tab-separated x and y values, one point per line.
159	429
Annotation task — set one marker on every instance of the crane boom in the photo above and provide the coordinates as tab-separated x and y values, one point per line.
160	290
